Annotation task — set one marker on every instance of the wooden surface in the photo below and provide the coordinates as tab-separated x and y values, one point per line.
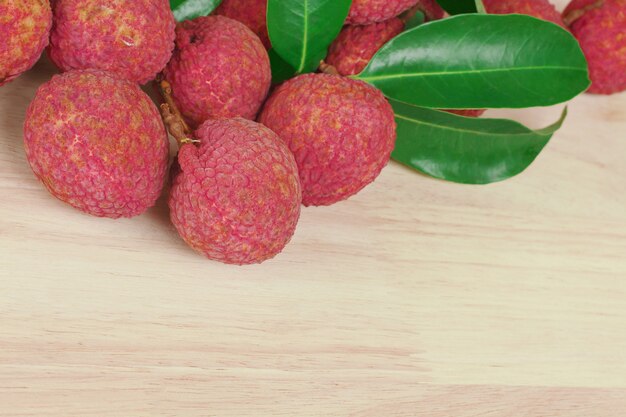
416	298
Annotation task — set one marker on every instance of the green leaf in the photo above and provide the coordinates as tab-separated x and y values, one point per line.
302	30
281	70
190	9
465	149
458	6
480	61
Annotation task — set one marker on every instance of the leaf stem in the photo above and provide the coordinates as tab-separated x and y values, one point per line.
172	117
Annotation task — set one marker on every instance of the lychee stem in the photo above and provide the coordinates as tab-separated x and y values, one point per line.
328	69
172	117
410	14
574	15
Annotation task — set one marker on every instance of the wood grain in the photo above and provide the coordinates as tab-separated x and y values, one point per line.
416	298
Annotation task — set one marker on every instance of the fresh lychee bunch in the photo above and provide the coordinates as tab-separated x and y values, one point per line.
219	68
356	45
132	39
236	197
541	9
600	27
98	143
252	13
24	30
364	12
341	131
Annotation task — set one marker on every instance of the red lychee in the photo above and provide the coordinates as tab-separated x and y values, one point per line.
98	143
341	131
541	9
236	198
356	45
252	13
219	69
364	12
132	39
600	27
24	29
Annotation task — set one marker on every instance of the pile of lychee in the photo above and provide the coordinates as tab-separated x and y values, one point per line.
248	158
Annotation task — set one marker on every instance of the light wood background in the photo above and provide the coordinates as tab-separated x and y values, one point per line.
416	298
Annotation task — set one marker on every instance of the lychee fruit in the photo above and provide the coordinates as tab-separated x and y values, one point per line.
341	131
219	68
364	12
356	45
252	13
236	197
98	143
132	39
24	30
541	9
600	27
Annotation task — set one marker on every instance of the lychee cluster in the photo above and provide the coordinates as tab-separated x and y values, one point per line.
24	31
97	142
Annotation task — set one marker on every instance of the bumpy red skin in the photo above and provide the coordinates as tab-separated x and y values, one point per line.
252	13
364	12
341	131
133	39
24	29
237	197
98	143
219	68
541	9
356	45
601	33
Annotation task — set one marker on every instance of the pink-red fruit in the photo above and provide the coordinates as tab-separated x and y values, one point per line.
98	143
341	131
600	27
364	12
252	13
133	39
541	9
219	69
24	29
356	45
236	198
